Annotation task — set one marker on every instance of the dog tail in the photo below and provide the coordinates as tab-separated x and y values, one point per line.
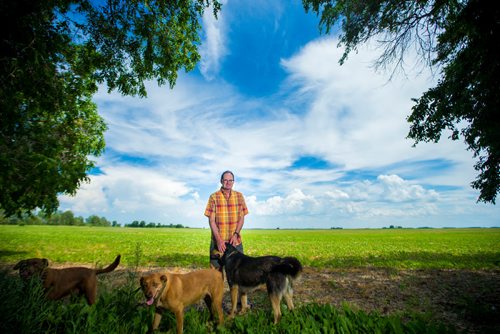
109	268
289	266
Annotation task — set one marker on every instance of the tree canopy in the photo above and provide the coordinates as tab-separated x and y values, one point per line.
53	56
456	37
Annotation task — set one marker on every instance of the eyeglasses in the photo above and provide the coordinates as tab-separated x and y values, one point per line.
228	181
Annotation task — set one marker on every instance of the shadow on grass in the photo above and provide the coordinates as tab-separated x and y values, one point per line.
182	260
8	253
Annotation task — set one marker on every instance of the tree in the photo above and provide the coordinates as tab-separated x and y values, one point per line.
53	56
63	218
97	221
456	37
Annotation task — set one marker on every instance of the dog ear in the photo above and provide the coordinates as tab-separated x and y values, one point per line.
163	278
19	264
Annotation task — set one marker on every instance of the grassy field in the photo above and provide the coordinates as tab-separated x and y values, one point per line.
390	248
453	289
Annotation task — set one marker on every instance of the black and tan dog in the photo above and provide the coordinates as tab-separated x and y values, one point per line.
176	291
59	283
245	273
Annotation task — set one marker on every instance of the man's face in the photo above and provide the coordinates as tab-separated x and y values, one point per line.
227	181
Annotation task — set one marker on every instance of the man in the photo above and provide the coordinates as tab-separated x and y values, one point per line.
226	210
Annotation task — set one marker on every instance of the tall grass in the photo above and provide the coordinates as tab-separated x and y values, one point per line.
25	310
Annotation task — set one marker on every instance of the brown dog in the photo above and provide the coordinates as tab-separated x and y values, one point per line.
61	282
176	291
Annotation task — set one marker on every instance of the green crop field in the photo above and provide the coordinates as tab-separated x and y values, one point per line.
394	248
438	280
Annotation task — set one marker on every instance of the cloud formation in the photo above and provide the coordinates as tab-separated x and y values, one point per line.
327	149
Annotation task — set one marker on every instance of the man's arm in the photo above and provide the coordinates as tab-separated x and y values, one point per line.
221	246
236	236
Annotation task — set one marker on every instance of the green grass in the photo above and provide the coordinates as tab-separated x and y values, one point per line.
390	248
118	311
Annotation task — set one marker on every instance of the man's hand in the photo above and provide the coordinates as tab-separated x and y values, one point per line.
221	245
234	239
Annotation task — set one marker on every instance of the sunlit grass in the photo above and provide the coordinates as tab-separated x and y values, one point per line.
395	248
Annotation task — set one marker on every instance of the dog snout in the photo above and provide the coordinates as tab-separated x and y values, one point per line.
148	292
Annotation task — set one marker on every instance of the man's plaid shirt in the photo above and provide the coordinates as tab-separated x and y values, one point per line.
227	211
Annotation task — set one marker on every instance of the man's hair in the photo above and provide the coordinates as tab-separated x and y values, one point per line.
227	171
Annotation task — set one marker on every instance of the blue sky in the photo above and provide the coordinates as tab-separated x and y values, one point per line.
312	144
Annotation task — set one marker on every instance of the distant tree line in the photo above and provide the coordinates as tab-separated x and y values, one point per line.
142	223
68	218
57	218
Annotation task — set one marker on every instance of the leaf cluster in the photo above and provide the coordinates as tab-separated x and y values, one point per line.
466	100
53	56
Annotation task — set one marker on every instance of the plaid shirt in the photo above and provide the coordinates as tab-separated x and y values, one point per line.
227	211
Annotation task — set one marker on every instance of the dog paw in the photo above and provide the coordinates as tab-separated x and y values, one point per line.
244	310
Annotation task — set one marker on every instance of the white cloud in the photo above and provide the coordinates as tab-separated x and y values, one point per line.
127	189
337	194
348	116
295	202
395	189
357	118
213	48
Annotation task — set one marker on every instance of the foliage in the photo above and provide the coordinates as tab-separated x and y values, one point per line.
142	223
27	311
117	310
53	56
68	218
97	221
63	218
57	218
458	37
388	248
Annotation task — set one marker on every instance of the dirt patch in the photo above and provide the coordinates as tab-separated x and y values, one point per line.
468	300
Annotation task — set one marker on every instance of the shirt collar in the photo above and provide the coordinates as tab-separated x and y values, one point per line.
224	193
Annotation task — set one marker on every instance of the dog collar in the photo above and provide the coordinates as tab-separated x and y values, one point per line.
235	251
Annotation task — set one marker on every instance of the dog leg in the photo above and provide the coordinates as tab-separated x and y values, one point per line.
234	300
90	289
275	303
179	317
289	295
156	320
244	302
218	309
217	297
90	296
209	302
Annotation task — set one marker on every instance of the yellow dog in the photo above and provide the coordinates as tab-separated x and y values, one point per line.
176	291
